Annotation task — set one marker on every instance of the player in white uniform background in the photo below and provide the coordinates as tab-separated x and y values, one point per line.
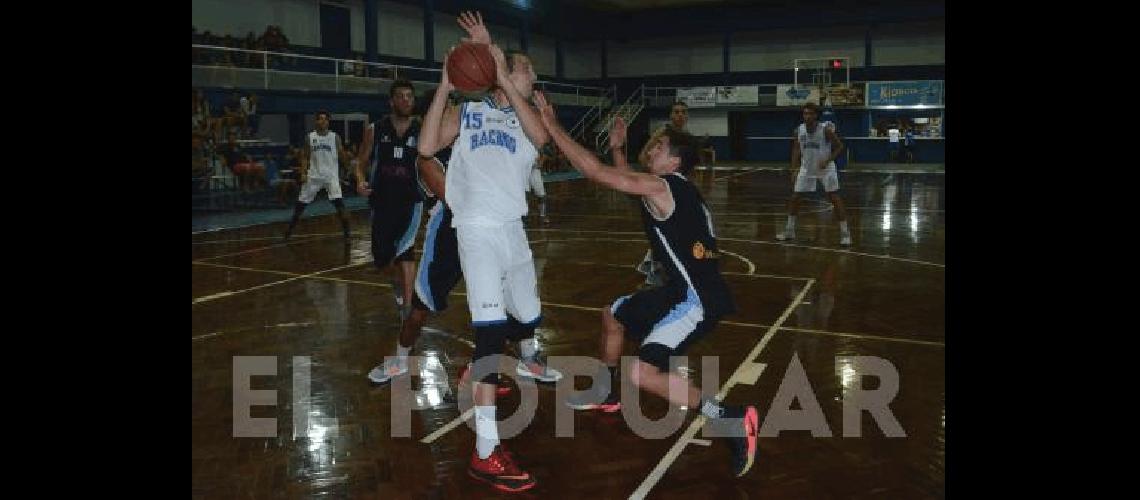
814	150
494	150
320	169
535	180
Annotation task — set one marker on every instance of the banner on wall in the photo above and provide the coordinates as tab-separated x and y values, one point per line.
749	94
905	93
698	97
791	95
846	96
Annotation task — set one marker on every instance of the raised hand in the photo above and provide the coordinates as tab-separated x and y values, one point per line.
472	23
617	133
444	81
501	73
545	109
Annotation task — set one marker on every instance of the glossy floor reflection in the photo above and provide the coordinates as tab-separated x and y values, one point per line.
322	301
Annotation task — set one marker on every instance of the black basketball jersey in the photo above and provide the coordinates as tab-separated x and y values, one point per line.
443	155
393	168
687	245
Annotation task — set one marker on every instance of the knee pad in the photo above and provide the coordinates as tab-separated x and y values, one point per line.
490	341
521	331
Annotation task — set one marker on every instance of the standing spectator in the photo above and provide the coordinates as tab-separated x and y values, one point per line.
250	119
249	58
232	110
359	69
893	137
908	143
276	41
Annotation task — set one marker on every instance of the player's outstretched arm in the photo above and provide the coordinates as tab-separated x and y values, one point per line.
617	144
626	181
431	171
438	129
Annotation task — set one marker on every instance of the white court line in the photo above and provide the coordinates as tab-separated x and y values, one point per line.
249	328
745	366
751	266
228	228
762	242
836	250
729	273
734	175
718	215
453	336
577	307
860	336
881	209
208	298
258	249
861	171
260	238
449	426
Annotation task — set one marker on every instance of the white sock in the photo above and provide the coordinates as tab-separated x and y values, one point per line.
843	227
528	348
710	408
402	352
791	223
486	431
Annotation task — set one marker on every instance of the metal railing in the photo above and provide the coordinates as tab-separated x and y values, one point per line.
214	66
592	115
666	96
628	110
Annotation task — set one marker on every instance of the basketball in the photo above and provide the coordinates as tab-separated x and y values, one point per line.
471	68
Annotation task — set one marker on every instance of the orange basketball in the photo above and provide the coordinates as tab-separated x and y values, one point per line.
471	68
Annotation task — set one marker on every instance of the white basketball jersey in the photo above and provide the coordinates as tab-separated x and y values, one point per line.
489	167
323	160
814	145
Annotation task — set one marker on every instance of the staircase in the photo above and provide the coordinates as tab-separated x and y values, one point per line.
590	119
627	110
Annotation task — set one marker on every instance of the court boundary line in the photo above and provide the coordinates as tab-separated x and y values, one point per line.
220	295
258	249
749	361
758	242
860	336
260	238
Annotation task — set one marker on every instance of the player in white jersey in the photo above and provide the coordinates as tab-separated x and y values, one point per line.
814	150
495	146
320	169
535	180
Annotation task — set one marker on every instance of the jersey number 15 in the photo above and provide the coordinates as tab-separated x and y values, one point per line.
473	120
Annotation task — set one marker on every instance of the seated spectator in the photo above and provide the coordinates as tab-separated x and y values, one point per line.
243	167
200	166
